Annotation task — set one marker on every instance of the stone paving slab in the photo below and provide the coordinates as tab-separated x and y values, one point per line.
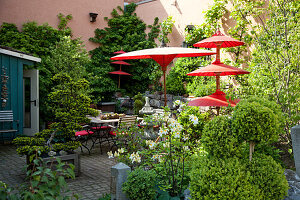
93	182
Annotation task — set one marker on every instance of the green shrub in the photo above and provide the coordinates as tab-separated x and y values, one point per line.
30	150
280	119
31	141
46	133
214	178
218	139
268	176
174	84
68	146
42	182
140	185
139	102
194	131
105	197
254	122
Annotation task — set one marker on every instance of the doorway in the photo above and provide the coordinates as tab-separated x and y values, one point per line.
31	102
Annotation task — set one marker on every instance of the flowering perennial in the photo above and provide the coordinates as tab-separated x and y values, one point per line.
194	119
110	154
162	131
135	157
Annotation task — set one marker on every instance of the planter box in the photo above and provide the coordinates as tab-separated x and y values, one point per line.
68	159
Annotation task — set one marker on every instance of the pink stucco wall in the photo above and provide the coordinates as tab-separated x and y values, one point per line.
184	12
46	11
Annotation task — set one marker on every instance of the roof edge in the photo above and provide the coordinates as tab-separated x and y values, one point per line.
19	55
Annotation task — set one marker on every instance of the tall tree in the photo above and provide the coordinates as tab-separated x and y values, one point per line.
275	62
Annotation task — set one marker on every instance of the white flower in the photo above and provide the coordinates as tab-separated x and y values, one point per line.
166	145
162	131
185	137
181	108
110	154
176	103
122	150
135	157
152	145
178	127
116	154
194	119
186	148
156	157
177	134
172	123
51	153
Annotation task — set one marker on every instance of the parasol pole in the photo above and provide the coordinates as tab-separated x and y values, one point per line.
218	81
164	71
218	51
218	74
119	81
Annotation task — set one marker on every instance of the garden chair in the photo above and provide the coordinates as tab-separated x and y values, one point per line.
84	136
124	123
102	135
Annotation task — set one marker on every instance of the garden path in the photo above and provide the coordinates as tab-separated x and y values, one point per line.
93	182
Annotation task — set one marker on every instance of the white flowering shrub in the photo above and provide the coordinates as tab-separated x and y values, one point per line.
167	155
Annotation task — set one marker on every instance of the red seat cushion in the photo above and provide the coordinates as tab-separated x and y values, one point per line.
100	127
114	133
83	132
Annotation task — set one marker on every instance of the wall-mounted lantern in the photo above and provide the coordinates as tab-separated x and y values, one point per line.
190	27
93	17
184	44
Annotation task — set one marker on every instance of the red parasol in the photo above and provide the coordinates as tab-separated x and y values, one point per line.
217	68
120	62
119	52
163	56
120	73
217	99
218	38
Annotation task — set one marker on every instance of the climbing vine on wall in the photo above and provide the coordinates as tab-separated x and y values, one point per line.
125	32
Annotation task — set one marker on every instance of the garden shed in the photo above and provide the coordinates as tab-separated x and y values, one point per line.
19	97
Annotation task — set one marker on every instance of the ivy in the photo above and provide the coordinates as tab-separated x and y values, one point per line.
166	29
127	32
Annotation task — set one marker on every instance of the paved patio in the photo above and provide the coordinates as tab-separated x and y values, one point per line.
93	182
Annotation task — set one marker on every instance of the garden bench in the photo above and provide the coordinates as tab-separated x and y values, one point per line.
7	123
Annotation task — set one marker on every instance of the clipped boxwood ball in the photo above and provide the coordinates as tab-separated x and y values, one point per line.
254	122
280	119
227	179
140	184
268	176
218	139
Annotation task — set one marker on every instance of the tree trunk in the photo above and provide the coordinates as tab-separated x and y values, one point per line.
252	144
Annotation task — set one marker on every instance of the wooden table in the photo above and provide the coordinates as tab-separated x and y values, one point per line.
103	121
